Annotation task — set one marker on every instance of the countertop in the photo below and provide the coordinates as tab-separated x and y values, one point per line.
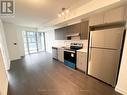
56	46
82	50
59	47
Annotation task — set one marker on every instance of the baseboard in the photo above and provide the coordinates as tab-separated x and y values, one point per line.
121	91
15	59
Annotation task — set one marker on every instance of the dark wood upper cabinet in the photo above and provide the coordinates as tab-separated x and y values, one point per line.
81	28
76	28
60	34
69	30
84	30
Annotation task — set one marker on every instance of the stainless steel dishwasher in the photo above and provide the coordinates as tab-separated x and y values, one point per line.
55	53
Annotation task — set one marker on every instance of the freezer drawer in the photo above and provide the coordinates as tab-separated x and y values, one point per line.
108	38
103	65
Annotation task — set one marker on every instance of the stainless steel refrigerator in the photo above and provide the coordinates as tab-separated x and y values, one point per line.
104	54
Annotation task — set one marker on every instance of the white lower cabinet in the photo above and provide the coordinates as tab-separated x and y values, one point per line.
61	54
82	61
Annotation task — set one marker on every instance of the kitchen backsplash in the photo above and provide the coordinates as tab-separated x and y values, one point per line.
60	43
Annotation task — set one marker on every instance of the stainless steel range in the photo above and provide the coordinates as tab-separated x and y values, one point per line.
70	54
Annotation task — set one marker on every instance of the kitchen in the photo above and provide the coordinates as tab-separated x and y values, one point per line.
61	47
94	45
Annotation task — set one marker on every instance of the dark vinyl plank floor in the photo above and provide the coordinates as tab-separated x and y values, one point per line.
39	74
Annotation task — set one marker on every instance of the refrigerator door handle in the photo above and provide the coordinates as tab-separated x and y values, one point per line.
90	49
90	39
90	54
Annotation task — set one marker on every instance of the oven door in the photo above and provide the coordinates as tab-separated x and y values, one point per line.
70	58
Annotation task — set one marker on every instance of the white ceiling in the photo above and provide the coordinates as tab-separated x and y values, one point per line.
35	13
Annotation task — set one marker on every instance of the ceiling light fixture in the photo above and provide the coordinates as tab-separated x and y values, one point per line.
64	12
67	11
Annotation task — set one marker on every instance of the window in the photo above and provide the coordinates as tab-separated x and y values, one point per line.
33	42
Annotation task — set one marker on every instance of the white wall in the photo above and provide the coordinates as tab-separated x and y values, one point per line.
3	77
3	47
4	62
49	38
122	79
20	41
11	38
13	34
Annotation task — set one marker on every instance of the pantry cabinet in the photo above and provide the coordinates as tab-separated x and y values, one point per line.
114	15
82	61
96	19
109	16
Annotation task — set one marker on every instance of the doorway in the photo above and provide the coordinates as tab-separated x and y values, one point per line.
34	42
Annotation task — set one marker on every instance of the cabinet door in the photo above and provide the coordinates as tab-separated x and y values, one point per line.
61	54
72	29
69	30
84	30
96	19
60	34
79	64
57	34
76	28
84	61
114	15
